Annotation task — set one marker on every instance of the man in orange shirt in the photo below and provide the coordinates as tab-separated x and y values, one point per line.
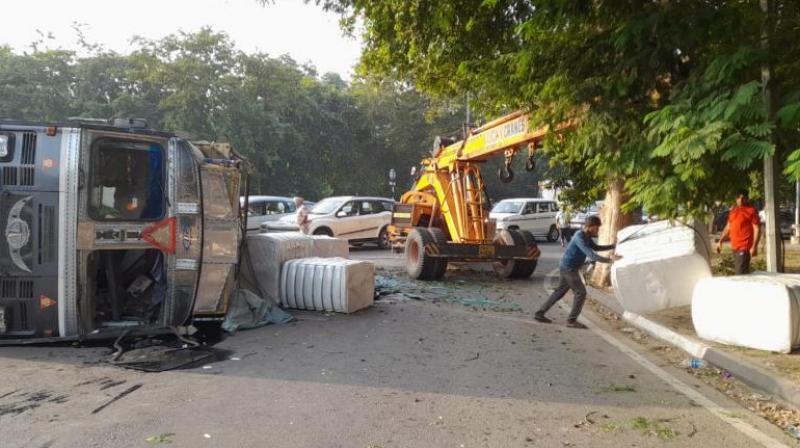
744	229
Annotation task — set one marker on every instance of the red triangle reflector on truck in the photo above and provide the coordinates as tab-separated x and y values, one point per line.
161	235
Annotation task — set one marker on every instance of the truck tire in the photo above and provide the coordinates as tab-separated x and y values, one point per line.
419	265
512	268
441	263
526	267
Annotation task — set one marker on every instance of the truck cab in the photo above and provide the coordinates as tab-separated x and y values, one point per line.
110	227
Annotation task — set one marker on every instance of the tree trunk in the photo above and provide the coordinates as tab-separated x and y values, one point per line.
613	219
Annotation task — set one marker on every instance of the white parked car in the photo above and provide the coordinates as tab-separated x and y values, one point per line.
579	218
263	209
355	218
535	215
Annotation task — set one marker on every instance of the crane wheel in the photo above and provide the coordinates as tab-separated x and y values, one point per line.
514	268
441	263
526	267
419	265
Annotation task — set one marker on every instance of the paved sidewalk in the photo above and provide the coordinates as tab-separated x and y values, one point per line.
774	373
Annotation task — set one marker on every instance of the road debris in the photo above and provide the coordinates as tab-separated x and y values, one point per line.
474	358
393	287
119	396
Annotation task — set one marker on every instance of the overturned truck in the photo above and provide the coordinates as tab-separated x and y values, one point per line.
112	227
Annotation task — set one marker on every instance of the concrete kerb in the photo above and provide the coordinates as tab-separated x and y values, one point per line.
742	369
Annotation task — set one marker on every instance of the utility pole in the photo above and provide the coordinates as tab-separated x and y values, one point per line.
772	225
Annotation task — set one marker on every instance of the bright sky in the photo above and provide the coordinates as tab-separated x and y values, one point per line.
304	31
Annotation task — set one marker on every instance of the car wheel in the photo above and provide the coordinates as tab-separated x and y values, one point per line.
383	239
552	235
323	231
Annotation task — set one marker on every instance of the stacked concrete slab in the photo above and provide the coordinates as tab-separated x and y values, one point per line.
269	251
661	263
327	284
328	247
760	310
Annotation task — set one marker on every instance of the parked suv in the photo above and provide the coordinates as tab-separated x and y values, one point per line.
535	215
261	209
354	218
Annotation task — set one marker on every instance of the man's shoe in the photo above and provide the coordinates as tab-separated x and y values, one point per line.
540	318
576	324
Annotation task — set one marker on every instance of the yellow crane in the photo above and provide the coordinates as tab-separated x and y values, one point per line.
444	217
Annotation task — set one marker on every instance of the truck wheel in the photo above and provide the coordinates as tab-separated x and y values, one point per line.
419	265
441	263
552	235
513	268
526	267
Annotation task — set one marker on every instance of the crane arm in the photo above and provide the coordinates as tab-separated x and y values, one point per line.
498	136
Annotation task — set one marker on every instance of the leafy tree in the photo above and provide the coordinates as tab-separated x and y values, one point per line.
608	63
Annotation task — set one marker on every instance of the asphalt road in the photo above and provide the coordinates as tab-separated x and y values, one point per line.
404	373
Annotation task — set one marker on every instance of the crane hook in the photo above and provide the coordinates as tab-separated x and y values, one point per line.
505	173
530	164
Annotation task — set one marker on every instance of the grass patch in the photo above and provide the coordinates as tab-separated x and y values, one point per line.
653	428
612	427
730	414
160	438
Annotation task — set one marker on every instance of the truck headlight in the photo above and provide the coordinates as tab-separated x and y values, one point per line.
4	151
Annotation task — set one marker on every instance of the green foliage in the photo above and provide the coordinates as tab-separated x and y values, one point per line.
303	133
669	93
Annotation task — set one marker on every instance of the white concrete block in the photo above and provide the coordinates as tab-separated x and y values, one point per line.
760	310
329	247
268	252
661	262
327	284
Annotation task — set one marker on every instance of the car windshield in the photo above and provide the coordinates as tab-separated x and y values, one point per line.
508	207
326	206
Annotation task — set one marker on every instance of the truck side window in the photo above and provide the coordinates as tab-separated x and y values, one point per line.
127	180
542	207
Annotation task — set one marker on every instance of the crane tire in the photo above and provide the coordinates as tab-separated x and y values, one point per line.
419	265
441	263
524	268
514	268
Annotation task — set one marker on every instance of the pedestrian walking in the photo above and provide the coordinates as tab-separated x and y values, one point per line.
744	230
303	222
563	219
579	248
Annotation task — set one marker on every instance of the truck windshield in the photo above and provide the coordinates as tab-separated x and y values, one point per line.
508	207
127	180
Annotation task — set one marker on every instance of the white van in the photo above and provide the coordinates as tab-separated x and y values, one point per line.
535	215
